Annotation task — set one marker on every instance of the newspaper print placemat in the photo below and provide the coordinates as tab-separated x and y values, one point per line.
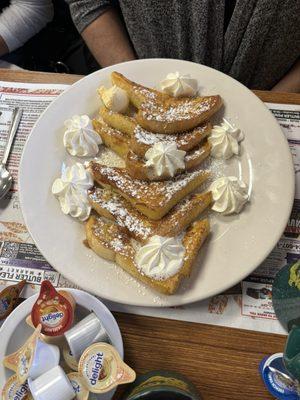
251	305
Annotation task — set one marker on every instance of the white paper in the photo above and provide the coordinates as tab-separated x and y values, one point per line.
19	257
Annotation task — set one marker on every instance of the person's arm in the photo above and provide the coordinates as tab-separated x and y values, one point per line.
291	81
107	39
100	26
3	47
21	20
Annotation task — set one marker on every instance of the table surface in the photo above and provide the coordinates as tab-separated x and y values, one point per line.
221	362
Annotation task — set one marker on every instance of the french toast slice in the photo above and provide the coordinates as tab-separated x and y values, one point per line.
160	113
121	122
121	144
153	199
112	206
175	116
116	140
110	241
138	169
141	140
138	94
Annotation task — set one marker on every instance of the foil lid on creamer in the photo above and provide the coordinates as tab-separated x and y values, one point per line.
13	390
102	368
9	298
277	379
53	310
21	360
69	358
79	386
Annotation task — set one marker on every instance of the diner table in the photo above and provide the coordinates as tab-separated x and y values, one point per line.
222	362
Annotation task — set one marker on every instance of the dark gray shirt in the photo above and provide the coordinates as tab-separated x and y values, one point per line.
259	46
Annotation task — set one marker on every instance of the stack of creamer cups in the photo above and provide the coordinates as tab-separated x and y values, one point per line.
91	363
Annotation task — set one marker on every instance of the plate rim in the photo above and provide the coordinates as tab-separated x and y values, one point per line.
208	293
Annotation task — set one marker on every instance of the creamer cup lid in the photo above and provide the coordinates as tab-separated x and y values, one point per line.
102	368
277	379
69	358
13	390
21	360
78	383
56	340
69	297
54	311
9	298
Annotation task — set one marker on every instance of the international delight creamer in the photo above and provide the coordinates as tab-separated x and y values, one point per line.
13	390
53	310
102	368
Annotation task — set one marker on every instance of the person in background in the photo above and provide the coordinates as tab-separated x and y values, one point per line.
255	41
19	21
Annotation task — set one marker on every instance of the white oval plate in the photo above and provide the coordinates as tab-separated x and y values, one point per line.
15	331
237	244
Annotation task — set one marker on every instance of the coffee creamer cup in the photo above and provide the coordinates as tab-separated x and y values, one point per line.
13	390
103	369
53	310
69	358
79	386
9	298
21	360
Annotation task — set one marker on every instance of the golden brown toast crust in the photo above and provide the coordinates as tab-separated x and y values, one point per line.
153	199
109	241
118	121
178	115
112	138
137	94
141	140
113	206
121	144
160	113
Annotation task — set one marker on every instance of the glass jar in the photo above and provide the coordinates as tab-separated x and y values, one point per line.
162	385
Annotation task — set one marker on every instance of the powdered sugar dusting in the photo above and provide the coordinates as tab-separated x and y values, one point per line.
182	139
181	111
125	218
109	157
161	192
193	155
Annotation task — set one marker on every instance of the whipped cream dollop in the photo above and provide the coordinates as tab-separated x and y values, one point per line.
71	191
80	139
114	98
229	195
224	140
177	85
161	257
165	158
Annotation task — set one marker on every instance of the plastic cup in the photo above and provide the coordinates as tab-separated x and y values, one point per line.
53	384
86	332
46	357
